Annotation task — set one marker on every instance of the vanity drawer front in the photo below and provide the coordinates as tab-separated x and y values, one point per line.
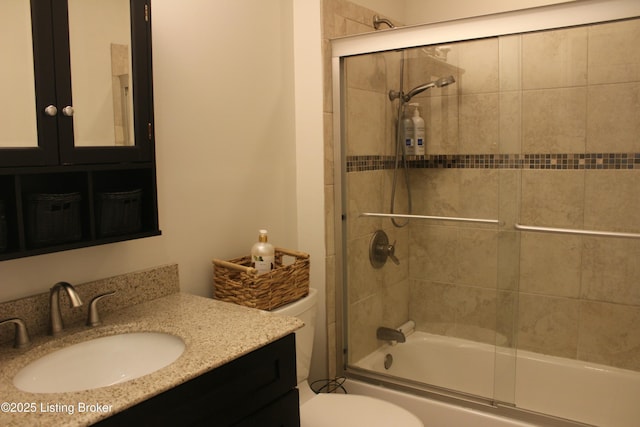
284	412
224	396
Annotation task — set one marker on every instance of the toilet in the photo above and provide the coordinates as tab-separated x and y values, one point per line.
335	410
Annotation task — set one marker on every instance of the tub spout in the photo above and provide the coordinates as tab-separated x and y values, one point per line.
388	334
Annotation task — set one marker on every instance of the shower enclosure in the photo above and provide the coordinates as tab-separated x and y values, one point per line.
515	240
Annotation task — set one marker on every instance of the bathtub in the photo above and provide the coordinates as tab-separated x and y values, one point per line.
585	392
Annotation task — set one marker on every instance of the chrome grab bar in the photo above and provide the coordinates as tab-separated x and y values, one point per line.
577	231
439	218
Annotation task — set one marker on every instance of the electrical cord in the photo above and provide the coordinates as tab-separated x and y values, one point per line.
329	386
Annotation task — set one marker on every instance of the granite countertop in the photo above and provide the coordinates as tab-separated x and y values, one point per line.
214	333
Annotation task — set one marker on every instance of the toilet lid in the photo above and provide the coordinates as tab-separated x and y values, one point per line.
350	410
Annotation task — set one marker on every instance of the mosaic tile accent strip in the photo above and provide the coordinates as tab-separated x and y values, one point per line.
501	161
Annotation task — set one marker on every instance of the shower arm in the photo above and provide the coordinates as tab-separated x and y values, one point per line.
377	21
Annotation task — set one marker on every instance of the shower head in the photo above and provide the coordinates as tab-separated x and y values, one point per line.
444	81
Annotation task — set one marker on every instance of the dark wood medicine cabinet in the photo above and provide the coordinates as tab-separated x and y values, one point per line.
77	156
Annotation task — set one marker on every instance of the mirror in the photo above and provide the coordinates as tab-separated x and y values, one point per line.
101	78
101	83
18	123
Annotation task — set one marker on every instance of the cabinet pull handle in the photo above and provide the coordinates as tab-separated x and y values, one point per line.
50	110
68	111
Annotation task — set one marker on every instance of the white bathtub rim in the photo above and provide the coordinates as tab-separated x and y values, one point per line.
582	397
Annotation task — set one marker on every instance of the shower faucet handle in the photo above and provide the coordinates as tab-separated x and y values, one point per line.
391	253
380	250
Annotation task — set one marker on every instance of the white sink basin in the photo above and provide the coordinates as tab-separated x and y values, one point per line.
100	362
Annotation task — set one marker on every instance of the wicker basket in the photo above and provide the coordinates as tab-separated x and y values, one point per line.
237	282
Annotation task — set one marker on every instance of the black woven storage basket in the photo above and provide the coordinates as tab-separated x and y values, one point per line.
53	219
119	212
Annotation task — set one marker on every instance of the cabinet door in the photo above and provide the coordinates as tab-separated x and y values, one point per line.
103	80
89	71
28	126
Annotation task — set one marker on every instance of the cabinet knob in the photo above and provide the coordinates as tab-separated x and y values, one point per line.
51	110
68	111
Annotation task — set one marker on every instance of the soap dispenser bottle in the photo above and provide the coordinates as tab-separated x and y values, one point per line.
262	254
407	132
418	131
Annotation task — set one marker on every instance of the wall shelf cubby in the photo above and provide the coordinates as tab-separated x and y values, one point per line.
106	204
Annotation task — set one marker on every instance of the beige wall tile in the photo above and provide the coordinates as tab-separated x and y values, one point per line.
328	148
552	59
330	265
480	63
509	196
479	193
365	317
366	121
612	200
477	257
510	58
327	78
510	122
609	334
550	264
395	310
613	52
364	280
548	325
367	72
329	215
554	120
433	253
437	191
613	123
400	197
433	305
506	319
476	314
611	270
508	274
442	118
364	191
552	198
479	123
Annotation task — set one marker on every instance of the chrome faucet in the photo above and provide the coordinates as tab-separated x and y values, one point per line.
56	324
21	339
388	334
93	318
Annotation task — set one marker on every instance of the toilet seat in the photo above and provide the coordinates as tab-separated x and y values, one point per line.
350	410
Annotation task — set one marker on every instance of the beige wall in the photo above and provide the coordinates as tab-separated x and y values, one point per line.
239	147
226	148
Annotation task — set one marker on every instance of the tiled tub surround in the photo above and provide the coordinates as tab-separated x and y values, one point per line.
214	333
539	129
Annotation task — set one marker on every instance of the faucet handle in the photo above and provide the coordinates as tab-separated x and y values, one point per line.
391	253
21	339
93	318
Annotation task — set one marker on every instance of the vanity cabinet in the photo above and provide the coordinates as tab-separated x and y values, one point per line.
257	389
83	125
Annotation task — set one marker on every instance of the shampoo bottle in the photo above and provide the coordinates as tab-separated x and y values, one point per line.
407	133
418	131
262	254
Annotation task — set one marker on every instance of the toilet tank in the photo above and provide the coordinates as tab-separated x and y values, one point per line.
305	310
